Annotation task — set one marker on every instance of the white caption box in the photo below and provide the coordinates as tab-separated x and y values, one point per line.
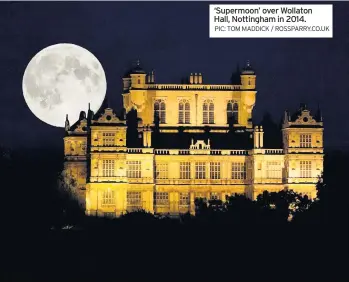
271	21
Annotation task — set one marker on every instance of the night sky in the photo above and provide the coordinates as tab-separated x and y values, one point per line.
173	39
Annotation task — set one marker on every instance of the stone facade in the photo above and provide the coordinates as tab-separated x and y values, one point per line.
190	140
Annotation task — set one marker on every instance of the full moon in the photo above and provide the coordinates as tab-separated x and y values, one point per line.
62	79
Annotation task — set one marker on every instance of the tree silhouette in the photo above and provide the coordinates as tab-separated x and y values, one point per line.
241	210
70	206
282	206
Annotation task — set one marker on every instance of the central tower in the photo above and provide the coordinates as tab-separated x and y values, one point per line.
192	104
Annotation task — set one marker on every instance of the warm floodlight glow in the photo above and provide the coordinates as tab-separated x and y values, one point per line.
62	79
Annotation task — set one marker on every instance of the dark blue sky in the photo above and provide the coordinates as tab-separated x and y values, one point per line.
173	38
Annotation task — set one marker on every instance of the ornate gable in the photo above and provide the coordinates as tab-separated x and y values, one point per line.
79	127
108	117
302	118
82	126
305	118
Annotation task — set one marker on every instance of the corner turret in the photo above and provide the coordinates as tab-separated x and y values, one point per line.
135	77
248	77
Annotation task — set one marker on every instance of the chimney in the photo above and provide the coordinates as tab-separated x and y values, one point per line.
191	79
286	116
195	78
256	137
200	78
152	76
261	136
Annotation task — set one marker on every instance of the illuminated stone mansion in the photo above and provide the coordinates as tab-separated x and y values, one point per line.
174	143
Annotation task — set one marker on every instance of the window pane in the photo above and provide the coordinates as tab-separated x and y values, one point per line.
108	168
184	168
187	117
134	169
274	169
200	170
205	117
211	117
108	197
305	169
162	106
108	138
161	199
180	113
215	170
238	170
161	171
162	117
134	199
184	199
305	140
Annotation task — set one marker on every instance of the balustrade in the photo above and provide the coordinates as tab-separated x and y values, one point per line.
192	87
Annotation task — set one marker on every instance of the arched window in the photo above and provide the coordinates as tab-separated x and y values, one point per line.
184	112
232	112
208	112
160	111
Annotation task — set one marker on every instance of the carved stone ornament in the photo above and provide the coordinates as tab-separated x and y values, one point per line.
305	118
82	127
138	107
108	117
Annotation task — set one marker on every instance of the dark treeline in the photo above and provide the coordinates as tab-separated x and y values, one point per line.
233	240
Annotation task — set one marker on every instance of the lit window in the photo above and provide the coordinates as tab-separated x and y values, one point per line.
208	112
274	169
184	199
184	112
134	199
108	138
108	197
134	169
161	171
305	140
109	214
160	111
238	170
184	168
214	196
200	195
200	170
305	169
215	170
108	167
232	112
161	199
